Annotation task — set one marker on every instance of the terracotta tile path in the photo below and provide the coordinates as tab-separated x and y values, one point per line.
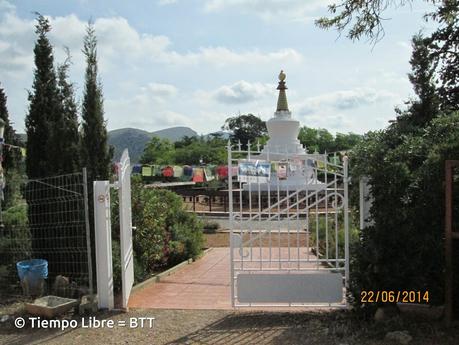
204	284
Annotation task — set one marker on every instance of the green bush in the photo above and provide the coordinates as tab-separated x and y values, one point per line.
210	226
15	242
186	237
331	236
165	234
404	248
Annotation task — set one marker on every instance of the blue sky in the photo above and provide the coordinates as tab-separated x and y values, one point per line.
194	63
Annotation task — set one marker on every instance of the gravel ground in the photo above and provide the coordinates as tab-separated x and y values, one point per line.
229	327
236	327
219	239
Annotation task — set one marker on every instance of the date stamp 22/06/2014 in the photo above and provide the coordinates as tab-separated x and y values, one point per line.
385	296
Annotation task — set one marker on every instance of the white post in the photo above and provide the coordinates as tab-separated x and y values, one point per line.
346	222
103	232
230	209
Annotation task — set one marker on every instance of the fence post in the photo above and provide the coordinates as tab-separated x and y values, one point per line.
88	232
103	232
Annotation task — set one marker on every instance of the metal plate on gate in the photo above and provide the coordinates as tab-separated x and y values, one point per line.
290	288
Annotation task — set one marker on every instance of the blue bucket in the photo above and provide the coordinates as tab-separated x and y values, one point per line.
34	270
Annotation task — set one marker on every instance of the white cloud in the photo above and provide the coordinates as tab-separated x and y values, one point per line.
6	6
222	56
15	37
343	100
147	108
166	2
293	10
118	44
334	122
162	90
242	92
123	51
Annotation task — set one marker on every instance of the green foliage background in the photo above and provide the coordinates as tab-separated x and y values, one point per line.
404	248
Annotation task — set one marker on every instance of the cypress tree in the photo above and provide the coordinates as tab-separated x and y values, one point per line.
95	152
52	149
52	123
65	132
96	155
11	158
44	106
9	135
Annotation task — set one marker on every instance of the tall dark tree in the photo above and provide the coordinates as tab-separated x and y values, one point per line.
51	125
11	157
48	152
44	106
245	128
95	152
10	137
65	133
445	47
427	103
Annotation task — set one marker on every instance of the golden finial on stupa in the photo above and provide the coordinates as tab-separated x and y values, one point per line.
282	104
282	75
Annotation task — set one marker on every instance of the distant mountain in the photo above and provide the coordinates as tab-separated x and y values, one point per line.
135	139
175	133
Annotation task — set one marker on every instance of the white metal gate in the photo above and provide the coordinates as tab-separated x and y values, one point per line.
124	195
289	228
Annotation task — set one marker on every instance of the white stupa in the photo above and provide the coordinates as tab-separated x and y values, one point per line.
283	145
283	130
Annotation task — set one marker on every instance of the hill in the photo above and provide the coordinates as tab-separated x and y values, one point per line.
135	139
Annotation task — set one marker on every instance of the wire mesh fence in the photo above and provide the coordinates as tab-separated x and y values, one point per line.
50	223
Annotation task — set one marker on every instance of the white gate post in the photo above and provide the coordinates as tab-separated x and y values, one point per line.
346	222
103	232
231	219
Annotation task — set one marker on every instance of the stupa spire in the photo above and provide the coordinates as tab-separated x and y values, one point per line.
282	104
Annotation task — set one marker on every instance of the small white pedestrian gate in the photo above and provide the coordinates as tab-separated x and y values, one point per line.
289	228
103	235
127	254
